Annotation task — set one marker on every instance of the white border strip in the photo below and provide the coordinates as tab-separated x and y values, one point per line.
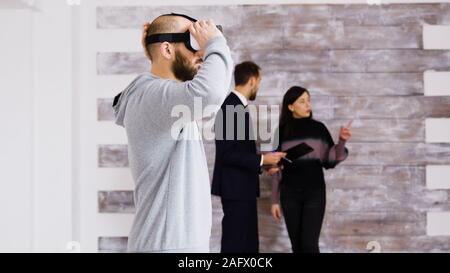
436	83
436	37
438	176
438	223
437	130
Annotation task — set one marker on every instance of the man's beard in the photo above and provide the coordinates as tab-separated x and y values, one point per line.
182	68
253	94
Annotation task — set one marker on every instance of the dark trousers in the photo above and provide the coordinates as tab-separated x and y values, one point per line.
239	226
303	211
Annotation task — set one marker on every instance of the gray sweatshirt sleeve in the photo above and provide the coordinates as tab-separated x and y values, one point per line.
210	86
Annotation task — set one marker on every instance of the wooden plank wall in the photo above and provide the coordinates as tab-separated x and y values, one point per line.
359	61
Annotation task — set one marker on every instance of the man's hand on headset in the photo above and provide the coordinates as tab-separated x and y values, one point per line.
203	31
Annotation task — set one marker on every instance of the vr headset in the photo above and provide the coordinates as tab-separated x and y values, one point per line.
186	37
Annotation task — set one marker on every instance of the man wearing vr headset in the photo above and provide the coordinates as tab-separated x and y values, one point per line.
190	61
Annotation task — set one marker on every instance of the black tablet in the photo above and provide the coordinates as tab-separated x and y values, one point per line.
297	151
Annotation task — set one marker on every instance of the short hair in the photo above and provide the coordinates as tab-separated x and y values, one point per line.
162	24
244	71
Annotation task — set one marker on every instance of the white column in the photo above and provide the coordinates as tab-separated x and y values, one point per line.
52	126
437	130
16	134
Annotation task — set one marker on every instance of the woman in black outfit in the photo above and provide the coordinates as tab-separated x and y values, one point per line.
300	187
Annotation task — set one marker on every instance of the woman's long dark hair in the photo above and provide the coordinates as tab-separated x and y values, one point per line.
286	117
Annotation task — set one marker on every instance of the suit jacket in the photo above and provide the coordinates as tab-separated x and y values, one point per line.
237	165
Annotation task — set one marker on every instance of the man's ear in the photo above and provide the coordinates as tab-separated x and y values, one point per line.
252	81
167	50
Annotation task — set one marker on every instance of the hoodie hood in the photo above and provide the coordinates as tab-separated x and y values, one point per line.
121	100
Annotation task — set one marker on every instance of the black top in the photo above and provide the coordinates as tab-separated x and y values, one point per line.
307	171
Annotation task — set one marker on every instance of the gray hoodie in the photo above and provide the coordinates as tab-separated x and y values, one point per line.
172	189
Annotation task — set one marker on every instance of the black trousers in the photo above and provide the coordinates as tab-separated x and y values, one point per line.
239	226
303	211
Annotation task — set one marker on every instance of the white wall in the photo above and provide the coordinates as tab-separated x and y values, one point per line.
52	126
16	131
36	111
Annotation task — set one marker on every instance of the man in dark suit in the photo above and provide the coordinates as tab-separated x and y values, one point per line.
237	166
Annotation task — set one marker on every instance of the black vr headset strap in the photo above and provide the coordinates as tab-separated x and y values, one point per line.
167	37
171	38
